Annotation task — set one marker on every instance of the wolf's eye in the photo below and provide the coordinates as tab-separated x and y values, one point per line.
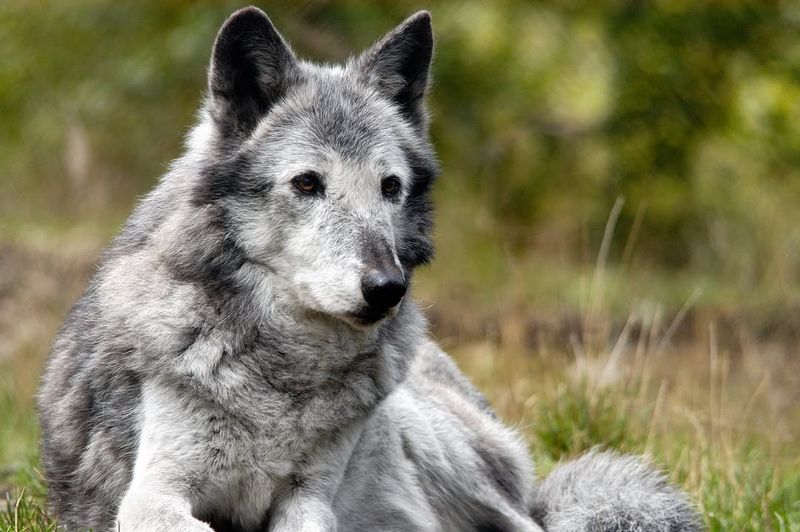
308	183
390	187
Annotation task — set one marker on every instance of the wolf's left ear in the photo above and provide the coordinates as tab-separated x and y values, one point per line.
399	64
251	66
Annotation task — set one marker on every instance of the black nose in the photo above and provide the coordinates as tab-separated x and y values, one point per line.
383	289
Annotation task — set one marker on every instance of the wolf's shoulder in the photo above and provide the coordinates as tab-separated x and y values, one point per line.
433	367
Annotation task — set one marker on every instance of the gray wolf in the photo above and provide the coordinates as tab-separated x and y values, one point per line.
246	357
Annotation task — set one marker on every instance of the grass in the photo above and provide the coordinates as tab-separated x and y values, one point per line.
717	434
716	409
24	509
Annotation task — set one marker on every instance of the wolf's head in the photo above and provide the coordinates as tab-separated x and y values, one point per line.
321	174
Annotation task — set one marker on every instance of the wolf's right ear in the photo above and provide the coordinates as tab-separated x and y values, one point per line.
251	66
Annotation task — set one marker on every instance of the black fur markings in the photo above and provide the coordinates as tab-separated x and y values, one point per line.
408	450
416	247
214	270
214	256
489	527
230	177
501	471
217	256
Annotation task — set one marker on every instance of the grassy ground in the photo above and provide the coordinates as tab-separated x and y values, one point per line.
715	406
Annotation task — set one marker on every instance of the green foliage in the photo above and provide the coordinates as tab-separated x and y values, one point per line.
24	509
578	418
18	429
22	490
751	496
25	514
739	484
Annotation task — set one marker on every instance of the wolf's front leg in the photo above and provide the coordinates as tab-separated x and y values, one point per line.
143	511
158	497
306	503
170	469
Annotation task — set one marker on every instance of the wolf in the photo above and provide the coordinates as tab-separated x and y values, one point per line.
246	356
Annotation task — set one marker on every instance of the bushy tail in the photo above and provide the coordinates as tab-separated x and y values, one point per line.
608	492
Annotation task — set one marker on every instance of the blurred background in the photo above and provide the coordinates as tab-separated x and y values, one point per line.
618	217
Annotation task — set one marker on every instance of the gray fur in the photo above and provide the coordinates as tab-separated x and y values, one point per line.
223	369
604	491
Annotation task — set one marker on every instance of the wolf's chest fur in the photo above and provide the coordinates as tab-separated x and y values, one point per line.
248	421
238	458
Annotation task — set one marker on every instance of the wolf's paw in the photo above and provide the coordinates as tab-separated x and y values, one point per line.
173	525
156	516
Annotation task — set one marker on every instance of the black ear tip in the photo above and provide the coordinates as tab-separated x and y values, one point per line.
418	25
242	26
248	13
420	21
245	19
423	16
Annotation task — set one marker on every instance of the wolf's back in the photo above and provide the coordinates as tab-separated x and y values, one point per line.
607	492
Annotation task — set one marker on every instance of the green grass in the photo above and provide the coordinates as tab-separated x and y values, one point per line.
24	505
720	422
22	492
740	483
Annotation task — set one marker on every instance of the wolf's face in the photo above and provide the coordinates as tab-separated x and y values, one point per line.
322	173
338	179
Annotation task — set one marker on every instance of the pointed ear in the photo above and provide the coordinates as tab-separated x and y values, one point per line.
251	66
399	65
